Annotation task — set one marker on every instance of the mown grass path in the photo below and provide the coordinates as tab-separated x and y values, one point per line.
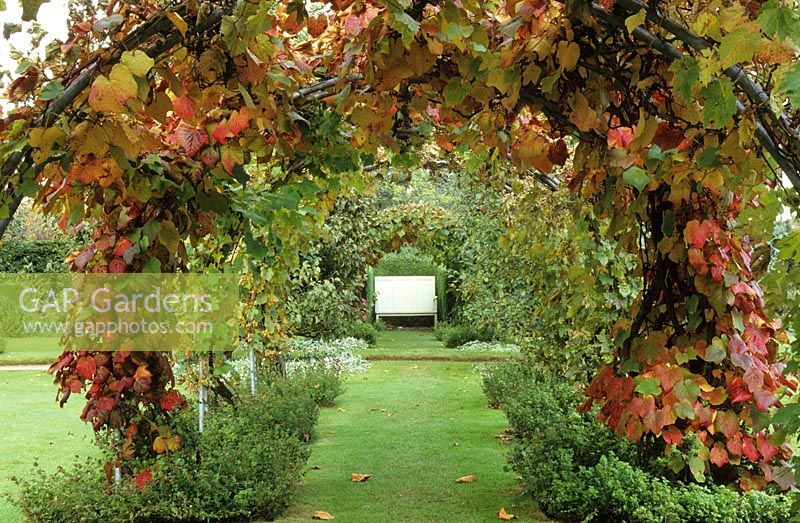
415	427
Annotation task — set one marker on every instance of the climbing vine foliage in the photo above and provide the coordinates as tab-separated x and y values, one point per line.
673	118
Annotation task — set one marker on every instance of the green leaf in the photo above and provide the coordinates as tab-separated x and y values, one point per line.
637	177
686	75
779	20
29	188
738	323
51	91
406	26
648	386
738	46
698	468
720	105
708	158
717	351
684	409
455	91
153	265
789	415
789	85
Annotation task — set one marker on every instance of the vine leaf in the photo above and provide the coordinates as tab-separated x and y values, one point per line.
720	103
190	138
738	46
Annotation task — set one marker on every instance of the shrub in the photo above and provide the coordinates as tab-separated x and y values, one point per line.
504	381
34	255
457	336
245	465
573	465
3	344
441	330
364	331
324	385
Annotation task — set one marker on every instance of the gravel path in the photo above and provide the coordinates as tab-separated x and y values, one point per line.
42	368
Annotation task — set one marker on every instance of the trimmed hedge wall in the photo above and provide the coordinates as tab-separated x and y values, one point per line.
34	256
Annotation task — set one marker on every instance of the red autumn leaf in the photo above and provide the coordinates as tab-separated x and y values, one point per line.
122	246
183	107
698	261
718	455
619	137
696	233
190	138
290	24
171	400
317	25
765	448
86	367
727	423
63	361
734	444
672	435
239	120
607	4
557	152
23	85
117	266
210	157
106	403
667	137
764	399
353	25
749	450
143	479
738	392
222	131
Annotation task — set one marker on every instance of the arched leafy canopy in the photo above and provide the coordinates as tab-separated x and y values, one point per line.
677	114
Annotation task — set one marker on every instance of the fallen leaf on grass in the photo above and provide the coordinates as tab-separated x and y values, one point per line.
322	515
467	479
359	478
340	409
505	516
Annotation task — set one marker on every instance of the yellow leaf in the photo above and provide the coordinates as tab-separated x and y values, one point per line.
634	20
583	115
359	478
467	479
179	23
42	139
137	62
568	54
110	94
174	443
505	516
322	515
159	445
88	139
706	24
123	81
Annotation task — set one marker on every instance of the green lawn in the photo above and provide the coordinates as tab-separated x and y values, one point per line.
30	351
32	426
420	344
415	427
